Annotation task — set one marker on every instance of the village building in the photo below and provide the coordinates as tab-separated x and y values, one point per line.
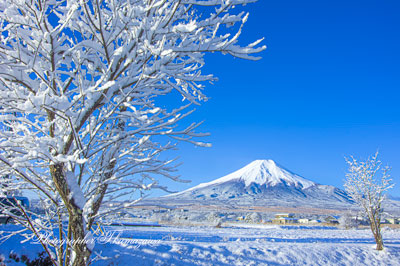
284	218
303	221
392	220
284	215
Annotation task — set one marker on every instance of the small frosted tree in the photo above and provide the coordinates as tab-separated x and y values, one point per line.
83	116
253	217
348	221
366	182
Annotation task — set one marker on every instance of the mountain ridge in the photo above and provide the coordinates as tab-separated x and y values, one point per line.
262	172
266	183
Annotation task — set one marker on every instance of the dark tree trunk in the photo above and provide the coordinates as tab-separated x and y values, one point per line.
80	244
78	225
375	225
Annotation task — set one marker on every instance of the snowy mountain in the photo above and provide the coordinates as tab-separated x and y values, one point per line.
265	183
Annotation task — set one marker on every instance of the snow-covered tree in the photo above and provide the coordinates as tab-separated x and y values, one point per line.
348	221
83	119
253	217
366	182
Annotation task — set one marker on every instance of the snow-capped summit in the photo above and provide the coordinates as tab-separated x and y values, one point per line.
267	183
260	172
265	172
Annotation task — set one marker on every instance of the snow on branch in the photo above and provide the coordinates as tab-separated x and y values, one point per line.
83	119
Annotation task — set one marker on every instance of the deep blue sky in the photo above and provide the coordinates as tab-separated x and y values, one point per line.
326	87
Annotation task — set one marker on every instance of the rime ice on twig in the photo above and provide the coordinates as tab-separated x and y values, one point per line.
82	117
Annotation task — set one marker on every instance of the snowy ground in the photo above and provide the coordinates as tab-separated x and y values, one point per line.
267	245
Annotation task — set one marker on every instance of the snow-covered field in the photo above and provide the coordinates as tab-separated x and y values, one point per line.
232	245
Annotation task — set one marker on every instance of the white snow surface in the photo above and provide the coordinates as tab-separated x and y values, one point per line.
230	246
76	192
262	172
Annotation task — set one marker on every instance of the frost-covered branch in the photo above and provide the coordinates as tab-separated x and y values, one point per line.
83	119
